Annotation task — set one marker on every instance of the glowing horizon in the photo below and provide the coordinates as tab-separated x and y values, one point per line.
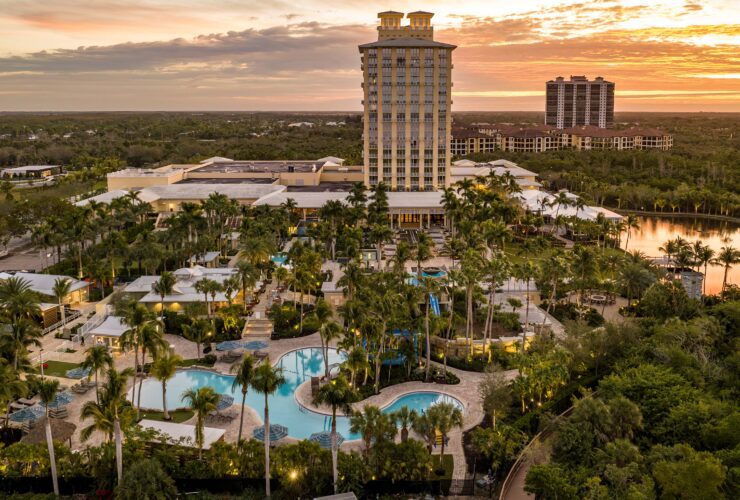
274	56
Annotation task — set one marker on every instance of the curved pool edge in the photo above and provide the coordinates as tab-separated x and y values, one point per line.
359	404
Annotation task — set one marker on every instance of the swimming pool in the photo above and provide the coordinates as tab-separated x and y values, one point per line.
298	366
279	259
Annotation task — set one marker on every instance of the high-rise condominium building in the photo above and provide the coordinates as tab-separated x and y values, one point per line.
407	83
579	101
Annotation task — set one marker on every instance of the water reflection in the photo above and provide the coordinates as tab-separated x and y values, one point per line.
655	231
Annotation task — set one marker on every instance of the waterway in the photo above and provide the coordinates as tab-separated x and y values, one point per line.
655	231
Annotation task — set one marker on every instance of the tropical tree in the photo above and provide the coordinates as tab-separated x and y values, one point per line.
61	289
202	401
11	387
356	361
151	340
164	368
248	275
17	300
112	414
16	340
337	394
373	425
244	371
404	418
630	222
164	287
727	257
329	331
97	358
146	480
266	380
444	417
198	331
48	391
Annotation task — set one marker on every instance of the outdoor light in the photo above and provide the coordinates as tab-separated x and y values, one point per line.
293	475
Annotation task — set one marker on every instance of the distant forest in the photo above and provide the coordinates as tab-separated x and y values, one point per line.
700	174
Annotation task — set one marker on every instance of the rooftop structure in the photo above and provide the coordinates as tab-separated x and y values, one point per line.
31	171
43	284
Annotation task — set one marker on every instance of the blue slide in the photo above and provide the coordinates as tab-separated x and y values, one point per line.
434	302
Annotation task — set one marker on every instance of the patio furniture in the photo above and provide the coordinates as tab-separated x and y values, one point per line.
324	439
260	355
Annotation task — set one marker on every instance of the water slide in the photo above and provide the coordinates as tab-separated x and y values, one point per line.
434	302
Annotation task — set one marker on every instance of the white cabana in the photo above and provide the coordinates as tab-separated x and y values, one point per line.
183	434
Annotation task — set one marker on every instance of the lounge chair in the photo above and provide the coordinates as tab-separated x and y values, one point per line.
17	407
26	401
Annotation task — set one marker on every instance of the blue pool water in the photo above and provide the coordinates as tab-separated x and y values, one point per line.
437	274
298	366
279	259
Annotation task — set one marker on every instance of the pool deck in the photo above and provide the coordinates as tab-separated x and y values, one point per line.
466	392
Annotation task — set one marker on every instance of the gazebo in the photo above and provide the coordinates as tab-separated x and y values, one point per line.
61	431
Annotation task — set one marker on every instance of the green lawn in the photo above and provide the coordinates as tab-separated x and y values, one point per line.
448	464
58	368
177	416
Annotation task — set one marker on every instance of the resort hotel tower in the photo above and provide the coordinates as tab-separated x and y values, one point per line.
407	98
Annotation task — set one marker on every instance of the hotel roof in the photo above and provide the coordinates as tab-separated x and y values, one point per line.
231	166
407	42
203	191
44	283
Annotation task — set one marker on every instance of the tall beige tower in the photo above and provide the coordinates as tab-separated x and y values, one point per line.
407	84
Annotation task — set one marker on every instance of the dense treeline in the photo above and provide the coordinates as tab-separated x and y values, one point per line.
699	175
145	139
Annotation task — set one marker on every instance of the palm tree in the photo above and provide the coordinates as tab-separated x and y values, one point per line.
164	368
16	340
727	257
424	427
405	418
266	380
137	318
202	401
703	255
630	223
11	387
164	287
356	361
48	391
444	417
153	341
244	373
17	299
198	331
96	358
248	275
61	290
112	413
379	234
331	330
422	251
337	394
373	425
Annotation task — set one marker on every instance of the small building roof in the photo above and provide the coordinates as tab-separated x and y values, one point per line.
29	168
415	199
206	257
44	283
112	326
142	284
183	434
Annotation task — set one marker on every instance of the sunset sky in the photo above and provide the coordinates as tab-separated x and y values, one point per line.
287	55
